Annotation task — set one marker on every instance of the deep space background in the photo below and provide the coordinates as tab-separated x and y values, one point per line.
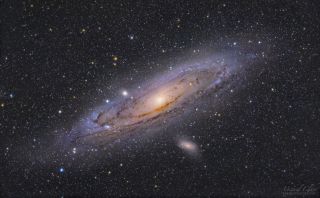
59	59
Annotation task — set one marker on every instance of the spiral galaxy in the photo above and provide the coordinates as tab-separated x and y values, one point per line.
164	97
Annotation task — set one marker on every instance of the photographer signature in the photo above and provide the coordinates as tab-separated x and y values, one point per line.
300	190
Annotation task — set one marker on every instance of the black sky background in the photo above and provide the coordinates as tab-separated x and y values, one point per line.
58	55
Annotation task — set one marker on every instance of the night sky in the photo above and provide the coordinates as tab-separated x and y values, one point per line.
259	135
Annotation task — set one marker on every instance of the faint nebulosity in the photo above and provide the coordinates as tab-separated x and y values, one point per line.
159	98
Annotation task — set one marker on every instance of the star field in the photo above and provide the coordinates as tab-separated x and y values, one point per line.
60	60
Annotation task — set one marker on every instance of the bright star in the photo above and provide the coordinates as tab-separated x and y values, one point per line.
124	93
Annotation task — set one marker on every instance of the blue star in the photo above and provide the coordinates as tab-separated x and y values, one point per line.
61	170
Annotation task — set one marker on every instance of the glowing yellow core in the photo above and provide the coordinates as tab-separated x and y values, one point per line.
160	100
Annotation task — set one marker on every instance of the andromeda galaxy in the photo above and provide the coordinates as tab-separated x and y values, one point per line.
162	99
